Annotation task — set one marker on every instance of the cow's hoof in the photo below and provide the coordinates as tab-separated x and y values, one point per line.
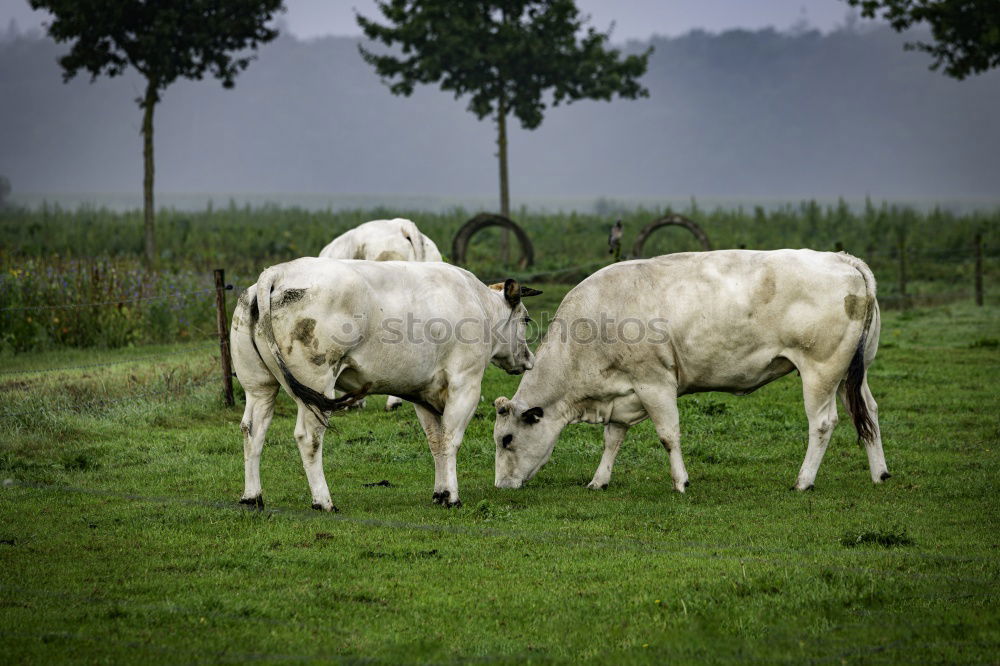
320	507
885	475
457	504
441	497
253	502
687	483
593	485
392	406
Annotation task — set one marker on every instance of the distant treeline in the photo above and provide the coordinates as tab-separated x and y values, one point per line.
737	114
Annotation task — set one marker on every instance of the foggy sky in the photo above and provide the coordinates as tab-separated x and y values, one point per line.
633	19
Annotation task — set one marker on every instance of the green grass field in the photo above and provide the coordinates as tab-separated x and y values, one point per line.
121	539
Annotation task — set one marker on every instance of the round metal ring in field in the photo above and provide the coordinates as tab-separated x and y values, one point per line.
668	220
460	244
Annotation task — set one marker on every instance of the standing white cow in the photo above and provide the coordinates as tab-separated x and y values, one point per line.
423	331
630	339
397	239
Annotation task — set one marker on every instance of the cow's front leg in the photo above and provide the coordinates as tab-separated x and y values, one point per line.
462	401
431	423
309	432
661	405
614	434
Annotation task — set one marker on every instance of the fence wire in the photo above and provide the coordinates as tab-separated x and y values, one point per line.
120	301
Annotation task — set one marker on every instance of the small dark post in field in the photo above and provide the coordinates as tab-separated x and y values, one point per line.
903	298
220	321
978	243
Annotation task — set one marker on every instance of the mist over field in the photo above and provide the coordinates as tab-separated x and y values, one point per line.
736	116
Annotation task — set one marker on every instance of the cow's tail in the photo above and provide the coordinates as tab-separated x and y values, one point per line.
863	422
315	400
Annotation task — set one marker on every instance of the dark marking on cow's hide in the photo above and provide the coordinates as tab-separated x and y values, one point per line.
317	442
766	290
290	296
389	255
254	502
854	306
317	359
254	312
666	444
303	331
247	428
507	439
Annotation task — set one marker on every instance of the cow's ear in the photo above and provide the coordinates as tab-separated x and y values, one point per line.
528	291
532	415
503	405
496	286
512	292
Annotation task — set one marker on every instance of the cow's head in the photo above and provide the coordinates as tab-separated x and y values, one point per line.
525	437
510	344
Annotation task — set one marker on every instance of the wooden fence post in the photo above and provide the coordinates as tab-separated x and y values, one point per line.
979	269
223	327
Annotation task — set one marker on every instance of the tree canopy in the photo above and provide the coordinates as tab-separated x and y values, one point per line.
164	41
966	32
504	54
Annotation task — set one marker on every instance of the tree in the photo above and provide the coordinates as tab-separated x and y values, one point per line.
509	56
966	32
163	41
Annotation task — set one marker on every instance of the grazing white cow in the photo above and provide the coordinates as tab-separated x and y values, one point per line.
630	339
397	239
423	331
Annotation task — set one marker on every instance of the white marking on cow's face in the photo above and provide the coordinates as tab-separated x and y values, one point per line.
525	437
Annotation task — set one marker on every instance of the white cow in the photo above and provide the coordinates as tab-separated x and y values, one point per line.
423	331
631	338
397	239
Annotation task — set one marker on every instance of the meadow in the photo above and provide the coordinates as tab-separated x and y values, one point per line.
121	539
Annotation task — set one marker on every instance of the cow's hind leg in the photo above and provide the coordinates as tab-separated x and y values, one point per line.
614	435
820	397
309	432
256	419
873	446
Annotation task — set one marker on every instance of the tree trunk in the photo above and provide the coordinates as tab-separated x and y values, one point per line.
504	186
148	104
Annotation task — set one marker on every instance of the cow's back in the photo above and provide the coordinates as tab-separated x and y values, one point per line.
715	318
